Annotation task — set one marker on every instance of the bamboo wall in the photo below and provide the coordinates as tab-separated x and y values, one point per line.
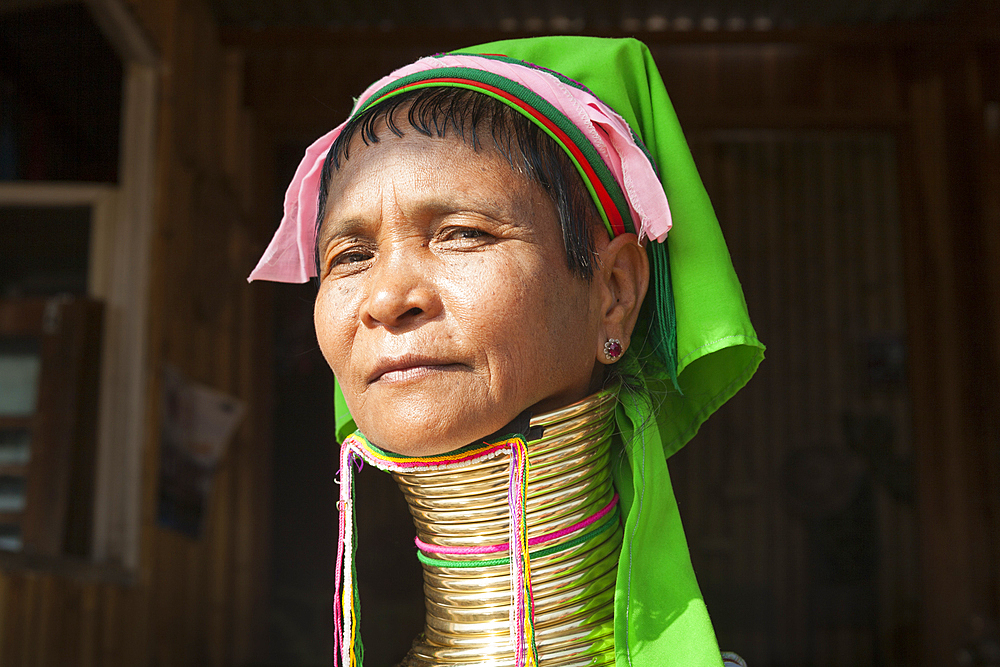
190	602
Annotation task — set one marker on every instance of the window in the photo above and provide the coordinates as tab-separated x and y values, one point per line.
116	207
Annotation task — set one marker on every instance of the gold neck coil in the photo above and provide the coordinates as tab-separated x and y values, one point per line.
467	620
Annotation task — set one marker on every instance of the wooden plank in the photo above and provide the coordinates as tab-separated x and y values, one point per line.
68	338
989	190
934	329
6	608
125	367
21	5
969	30
31	611
94	623
43	193
67	611
22	317
46	625
108	642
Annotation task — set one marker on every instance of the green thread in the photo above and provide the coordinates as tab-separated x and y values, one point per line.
664	313
547	551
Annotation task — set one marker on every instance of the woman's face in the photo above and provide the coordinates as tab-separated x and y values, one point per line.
446	307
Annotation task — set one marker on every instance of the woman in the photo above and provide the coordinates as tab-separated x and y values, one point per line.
485	229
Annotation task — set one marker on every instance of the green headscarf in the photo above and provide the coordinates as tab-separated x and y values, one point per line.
660	616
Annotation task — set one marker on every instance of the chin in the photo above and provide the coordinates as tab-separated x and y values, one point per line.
427	436
417	447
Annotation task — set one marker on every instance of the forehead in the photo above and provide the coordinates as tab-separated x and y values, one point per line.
446	170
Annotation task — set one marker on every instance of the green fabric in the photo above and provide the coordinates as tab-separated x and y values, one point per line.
660	617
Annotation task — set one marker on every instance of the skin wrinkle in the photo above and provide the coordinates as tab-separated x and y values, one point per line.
434	249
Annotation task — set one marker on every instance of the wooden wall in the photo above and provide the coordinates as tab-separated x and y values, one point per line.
798	494
923	103
927	101
191	601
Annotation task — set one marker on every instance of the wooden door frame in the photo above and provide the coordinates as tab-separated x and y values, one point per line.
124	402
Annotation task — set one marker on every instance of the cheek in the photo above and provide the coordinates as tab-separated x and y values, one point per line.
567	322
533	321
564	323
332	326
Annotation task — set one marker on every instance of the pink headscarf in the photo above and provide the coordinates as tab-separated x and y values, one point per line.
290	257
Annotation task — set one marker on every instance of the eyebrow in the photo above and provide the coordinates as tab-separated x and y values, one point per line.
437	207
328	231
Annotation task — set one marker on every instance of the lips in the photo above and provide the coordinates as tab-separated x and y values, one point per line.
409	367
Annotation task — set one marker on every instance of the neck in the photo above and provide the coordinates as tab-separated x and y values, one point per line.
462	521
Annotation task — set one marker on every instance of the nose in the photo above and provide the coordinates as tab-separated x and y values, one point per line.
401	290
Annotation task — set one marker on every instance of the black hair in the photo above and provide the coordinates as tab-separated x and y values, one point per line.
434	112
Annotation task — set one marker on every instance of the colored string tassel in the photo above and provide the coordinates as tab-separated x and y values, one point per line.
346	642
522	624
346	607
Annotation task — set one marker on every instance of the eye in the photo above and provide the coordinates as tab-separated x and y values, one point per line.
348	260
351	257
465	234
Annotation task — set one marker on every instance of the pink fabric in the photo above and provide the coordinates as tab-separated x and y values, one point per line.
290	255
534	541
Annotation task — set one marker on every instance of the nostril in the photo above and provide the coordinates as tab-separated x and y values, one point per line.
399	300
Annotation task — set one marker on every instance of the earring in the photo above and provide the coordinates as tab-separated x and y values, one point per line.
613	349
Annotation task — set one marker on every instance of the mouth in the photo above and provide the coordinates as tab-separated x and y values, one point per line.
409	367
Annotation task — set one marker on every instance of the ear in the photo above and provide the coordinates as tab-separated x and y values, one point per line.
623	270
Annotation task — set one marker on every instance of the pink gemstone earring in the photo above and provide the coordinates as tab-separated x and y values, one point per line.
613	349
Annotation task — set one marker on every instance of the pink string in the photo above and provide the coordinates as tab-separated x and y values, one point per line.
534	541
522	605
342	644
521	594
